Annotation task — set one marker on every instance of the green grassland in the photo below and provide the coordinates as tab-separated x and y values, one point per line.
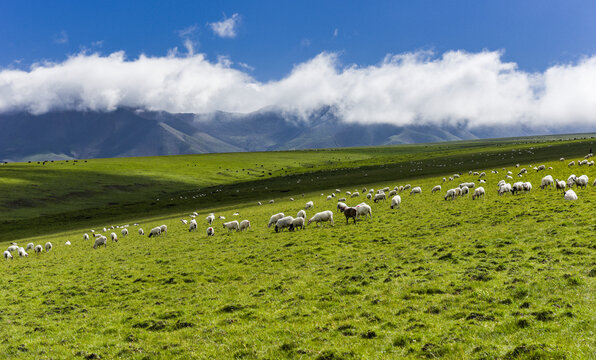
503	277
69	195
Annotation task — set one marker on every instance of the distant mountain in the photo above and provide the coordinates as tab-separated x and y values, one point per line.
130	132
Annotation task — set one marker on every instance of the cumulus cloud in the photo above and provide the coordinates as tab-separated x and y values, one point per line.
227	27
475	89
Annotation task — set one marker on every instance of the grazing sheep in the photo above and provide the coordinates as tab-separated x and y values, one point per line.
348	193
395	202
505	188
309	205
363	209
464	190
369	196
297	223
156	231
38	249
67	243
292	199
244	224
546	182
350	213
85	236
478	193
274	219
355	194
363	190
517	187
232	225
124	232
210	231
114	237
560	184
341	199
416	190
570	195
102	240
192	226
13	248
184	221
436	188
7	255
379	197
271	201
482	174
22	252
30	246
444	179
283	223
341	206
220	217
141	232
571	163
407	186
540	168
322	217
451	194
329	197
164	229
582	181
210	219
302	214
48	246
571	180
392	193
258	203
527	186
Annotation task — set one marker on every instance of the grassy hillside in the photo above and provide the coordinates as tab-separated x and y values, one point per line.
66	195
510	277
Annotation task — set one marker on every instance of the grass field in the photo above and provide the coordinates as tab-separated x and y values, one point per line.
510	277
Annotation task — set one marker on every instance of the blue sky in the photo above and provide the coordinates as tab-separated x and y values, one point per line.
401	62
273	36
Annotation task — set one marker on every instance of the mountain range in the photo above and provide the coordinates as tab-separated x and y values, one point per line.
131	132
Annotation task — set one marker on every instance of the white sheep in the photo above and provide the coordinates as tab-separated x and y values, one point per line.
221	217
308	205
570	195
395	202
192	226
22	252
38	249
164	229
560	184
210	219
517	187
464	190
48	246
363	209
7	255
271	201
341	206
571	180
329	197
184	221
210	231
67	243
342	199
102	240
369	196
348	193
450	194
244	224
114	237
322	217
478	193
231	225
416	190
283	223
379	197
571	163
124	232
527	186
156	231
582	181
435	189
274	219
505	188
30	246
355	194
297	223
258	203
540	168
302	214
546	181
85	236
141	232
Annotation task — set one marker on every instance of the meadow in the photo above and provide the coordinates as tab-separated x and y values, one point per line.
503	277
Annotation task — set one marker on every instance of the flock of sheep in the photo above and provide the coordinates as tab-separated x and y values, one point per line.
280	221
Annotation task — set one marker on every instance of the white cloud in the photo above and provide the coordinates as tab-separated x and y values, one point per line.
61	37
226	27
335	32
305	42
412	88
